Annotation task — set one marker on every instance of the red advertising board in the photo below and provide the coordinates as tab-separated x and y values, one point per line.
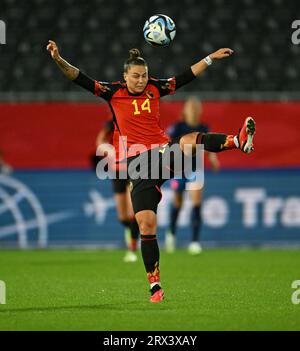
62	135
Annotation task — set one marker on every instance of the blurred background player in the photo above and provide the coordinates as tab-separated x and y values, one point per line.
191	122
5	168
122	198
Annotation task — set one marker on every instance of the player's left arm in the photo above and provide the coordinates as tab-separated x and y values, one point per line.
201	66
168	86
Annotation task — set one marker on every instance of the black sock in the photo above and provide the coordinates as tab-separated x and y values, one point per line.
126	224
134	228
196	223
173	221
134	235
150	253
213	142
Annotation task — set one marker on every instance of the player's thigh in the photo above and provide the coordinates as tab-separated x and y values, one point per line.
121	205
119	189
188	143
196	196
178	199
145	195
130	211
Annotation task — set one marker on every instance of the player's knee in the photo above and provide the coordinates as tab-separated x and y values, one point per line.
177	203
188	143
123	218
147	227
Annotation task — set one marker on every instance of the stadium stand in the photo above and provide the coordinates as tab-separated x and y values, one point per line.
259	32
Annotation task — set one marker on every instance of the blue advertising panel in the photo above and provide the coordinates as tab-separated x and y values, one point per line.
58	208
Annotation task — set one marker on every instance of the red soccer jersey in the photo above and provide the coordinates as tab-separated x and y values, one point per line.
136	117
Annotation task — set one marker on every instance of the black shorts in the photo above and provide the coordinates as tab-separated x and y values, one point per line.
146	193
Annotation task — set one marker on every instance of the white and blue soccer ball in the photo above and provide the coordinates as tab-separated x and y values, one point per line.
159	30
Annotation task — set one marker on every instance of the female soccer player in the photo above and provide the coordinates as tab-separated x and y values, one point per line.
191	122
135	108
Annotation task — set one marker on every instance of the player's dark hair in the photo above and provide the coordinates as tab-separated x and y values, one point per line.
134	59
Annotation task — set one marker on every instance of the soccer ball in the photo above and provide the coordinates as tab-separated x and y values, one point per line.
159	30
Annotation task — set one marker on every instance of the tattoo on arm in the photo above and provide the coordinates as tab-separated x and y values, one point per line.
68	70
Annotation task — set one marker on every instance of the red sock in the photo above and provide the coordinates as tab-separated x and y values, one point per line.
229	143
133	244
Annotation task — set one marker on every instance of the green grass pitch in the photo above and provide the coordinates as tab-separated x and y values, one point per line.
222	289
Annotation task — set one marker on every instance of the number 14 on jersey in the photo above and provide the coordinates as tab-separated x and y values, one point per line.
145	106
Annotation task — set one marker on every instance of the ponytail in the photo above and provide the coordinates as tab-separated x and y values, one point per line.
134	59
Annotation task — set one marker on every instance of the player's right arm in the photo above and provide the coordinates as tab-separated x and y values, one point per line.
68	70
101	89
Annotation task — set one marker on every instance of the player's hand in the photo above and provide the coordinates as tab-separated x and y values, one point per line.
221	53
52	48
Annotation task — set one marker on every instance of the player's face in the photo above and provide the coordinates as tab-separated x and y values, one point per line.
192	112
136	78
